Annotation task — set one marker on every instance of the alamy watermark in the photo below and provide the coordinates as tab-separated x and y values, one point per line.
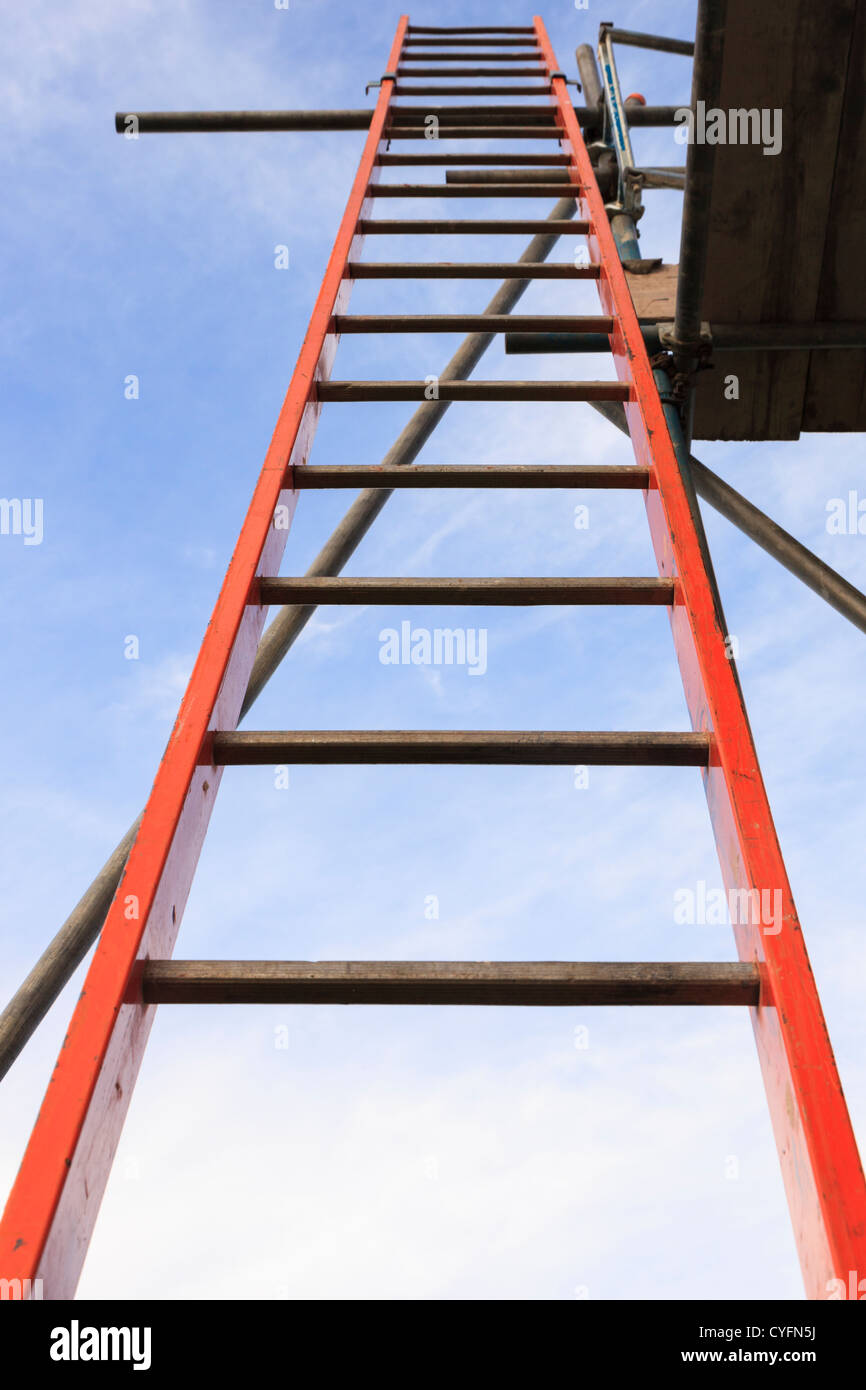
738	126
14	1290
77	1343
443	646
855	1289
22	516
846	516
714	907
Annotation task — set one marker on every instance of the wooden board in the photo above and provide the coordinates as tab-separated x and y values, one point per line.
773	254
654	295
836	385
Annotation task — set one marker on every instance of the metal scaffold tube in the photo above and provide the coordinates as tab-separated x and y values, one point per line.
821	578
133	123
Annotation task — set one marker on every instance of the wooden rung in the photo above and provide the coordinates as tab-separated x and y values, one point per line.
416	55
473	190
491	113
526	983
509	746
403	89
536	71
473	323
344	391
622	475
554	161
419	56
490	39
492	176
474	132
470	270
492	226
513	592
470	29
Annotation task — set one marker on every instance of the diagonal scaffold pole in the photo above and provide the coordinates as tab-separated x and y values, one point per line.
795	557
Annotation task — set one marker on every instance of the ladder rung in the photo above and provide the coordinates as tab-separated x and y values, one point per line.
471	270
621	475
449	982
344	391
490	113
458	38
472	323
555	161
502	226
481	176
537	71
518	746
419	56
472	190
402	89
513	592
470	29
477	132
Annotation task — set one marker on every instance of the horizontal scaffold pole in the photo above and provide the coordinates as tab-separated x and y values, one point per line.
177	122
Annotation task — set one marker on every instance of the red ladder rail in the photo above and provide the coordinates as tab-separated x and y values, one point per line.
53	1205
820	1163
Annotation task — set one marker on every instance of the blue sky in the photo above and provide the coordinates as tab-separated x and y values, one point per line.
407	1153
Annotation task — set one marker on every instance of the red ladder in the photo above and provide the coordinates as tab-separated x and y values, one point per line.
53	1205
